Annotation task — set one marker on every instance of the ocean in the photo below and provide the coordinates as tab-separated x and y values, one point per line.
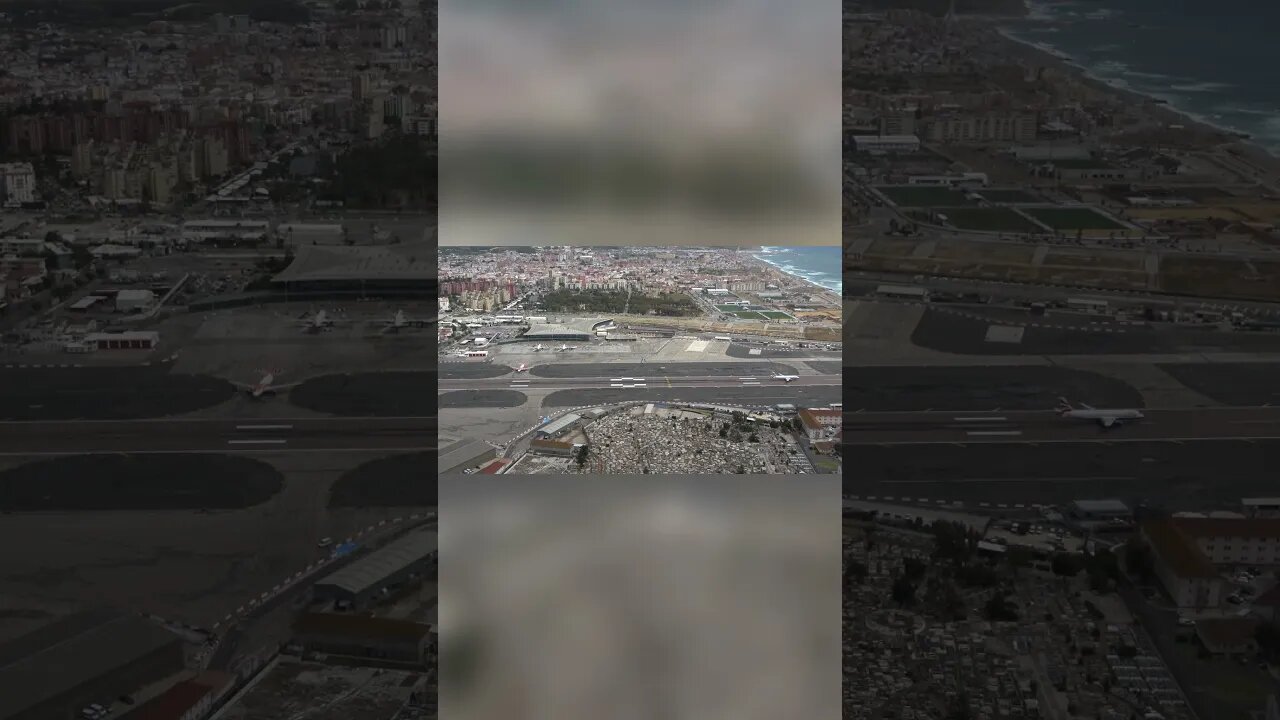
820	265
1213	60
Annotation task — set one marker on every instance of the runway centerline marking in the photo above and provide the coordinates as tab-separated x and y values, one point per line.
993	432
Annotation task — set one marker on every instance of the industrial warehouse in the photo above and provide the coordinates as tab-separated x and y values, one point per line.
407	268
358	584
90	657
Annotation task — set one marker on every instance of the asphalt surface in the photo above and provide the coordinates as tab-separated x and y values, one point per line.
1047	427
396	481
980	388
106	393
523	381
183	436
950	332
382	394
473	370
1195	474
827	367
1247	384
736	350
138	482
674	370
746	396
481	399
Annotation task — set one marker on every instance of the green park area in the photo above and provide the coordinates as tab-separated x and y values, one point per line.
989	219
1010	196
1073	218
922	195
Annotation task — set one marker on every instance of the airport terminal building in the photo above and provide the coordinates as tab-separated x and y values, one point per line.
403	269
576	330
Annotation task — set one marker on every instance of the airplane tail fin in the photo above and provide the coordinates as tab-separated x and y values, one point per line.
1063	406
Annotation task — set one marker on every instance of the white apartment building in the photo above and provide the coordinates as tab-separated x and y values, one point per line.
876	144
1188	576
982	127
18	182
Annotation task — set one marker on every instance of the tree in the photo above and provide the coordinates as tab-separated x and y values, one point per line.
857	571
1018	557
1267	636
582	456
904	591
753	438
914	569
1066	565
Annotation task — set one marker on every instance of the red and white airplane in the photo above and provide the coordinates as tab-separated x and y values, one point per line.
263	387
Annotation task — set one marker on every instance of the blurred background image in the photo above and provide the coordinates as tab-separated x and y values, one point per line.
639	597
709	122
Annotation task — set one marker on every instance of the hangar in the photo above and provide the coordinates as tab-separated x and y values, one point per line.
403	267
59	668
355	585
363	637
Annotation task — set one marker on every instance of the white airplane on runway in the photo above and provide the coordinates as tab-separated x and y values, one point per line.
523	368
786	378
566	348
263	387
537	348
318	322
1105	418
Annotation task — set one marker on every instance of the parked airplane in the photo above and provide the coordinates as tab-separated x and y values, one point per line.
537	348
564	348
318	322
263	387
1105	418
400	320
523	368
786	378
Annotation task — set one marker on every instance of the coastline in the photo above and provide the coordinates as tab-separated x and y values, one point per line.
757	255
1153	107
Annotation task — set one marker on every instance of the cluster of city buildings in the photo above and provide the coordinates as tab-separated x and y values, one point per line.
172	107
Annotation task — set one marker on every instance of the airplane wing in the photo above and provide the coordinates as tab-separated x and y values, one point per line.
1086	406
284	386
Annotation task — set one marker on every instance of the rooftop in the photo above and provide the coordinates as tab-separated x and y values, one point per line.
358	626
406	261
57	657
376	567
1177	550
1237	527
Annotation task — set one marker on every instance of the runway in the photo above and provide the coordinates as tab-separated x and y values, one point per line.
380	435
1042	427
523	381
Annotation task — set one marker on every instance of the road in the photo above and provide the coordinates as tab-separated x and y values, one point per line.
219	435
1036	427
522	381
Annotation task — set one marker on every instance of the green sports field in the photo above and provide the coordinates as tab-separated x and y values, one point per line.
988	219
922	195
1010	196
1073	218
748	315
775	315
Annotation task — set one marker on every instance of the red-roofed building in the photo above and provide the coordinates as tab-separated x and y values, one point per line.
493	467
820	423
187	700
1191	580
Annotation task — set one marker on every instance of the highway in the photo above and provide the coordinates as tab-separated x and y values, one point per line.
379	435
522	381
1036	427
